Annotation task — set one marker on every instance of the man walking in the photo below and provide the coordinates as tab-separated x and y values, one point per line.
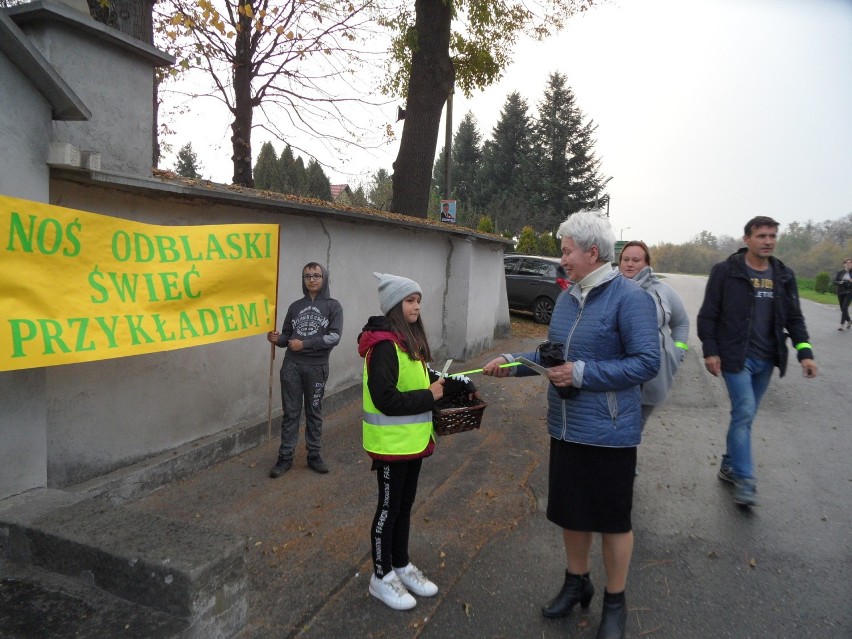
311	329
750	301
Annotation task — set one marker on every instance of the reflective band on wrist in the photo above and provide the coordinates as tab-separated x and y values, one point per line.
803	345
682	345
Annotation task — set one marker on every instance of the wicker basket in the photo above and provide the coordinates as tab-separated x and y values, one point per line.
457	414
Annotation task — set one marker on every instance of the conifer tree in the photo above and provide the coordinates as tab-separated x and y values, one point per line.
266	170
317	183
187	162
485	225
381	191
547	244
467	153
568	179
359	198
287	171
300	177
438	174
527	242
505	169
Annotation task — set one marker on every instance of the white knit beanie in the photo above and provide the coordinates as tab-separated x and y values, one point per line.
393	289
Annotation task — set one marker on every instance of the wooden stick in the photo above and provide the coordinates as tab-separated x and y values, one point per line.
269	410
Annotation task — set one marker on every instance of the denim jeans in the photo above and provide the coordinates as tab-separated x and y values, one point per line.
745	390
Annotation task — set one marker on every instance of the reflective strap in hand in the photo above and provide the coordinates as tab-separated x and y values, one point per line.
479	370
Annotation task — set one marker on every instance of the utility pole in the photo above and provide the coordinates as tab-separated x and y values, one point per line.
448	142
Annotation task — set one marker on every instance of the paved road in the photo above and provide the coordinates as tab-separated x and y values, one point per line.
701	568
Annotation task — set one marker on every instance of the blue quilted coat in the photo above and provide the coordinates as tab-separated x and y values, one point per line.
612	340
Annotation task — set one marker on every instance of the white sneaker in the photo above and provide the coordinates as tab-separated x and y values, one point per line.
413	579
390	591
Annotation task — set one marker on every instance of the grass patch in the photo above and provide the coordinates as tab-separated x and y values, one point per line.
806	291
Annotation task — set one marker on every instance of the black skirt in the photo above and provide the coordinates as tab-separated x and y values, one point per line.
590	488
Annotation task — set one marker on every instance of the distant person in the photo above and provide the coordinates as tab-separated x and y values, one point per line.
672	322
750	301
399	393
606	330
312	327
843	284
446	215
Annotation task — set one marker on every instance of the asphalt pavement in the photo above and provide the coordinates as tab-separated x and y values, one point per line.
702	567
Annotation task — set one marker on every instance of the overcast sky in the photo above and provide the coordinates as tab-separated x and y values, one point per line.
709	111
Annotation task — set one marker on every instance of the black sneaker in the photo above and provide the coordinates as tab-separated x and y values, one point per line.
317	464
725	474
280	467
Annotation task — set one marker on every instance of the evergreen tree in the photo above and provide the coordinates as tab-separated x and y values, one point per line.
588	183
187	162
438	174
289	180
381	191
527	242
563	148
266	170
300	177
506	167
317	183
359	198
547	244
466	156
485	225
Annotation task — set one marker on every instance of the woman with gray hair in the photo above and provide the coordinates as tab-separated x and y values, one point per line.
606	331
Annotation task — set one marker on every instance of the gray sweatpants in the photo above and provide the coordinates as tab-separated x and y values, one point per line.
302	384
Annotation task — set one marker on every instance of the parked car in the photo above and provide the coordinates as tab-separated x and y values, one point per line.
533	283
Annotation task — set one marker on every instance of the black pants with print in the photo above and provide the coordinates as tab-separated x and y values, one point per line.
302	385
389	534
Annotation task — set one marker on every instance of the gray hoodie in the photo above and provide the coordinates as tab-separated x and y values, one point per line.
673	326
317	322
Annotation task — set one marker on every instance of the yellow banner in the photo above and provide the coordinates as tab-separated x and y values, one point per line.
78	286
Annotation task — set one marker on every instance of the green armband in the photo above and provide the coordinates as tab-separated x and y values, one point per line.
803	345
682	345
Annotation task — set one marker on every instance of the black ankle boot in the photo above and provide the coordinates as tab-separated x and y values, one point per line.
577	588
614	617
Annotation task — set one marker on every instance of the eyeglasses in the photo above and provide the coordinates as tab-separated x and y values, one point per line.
312	276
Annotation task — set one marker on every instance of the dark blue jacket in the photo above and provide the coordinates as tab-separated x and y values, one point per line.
724	321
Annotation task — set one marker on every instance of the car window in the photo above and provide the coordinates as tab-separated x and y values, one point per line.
509	264
536	267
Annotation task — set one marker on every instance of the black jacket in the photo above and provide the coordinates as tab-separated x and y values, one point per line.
843	287
724	321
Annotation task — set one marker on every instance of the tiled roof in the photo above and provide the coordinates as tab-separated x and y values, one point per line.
337	189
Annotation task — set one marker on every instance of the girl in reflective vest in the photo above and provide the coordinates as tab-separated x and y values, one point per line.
399	392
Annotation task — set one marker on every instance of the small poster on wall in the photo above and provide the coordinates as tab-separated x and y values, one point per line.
448	211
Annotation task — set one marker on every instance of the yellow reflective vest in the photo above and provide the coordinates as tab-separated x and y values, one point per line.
398	434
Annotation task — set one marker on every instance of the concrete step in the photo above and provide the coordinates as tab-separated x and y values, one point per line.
35	604
193	574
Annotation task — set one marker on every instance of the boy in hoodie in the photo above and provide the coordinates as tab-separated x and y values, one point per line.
312	327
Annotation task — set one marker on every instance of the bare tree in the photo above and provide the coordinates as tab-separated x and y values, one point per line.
290	60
